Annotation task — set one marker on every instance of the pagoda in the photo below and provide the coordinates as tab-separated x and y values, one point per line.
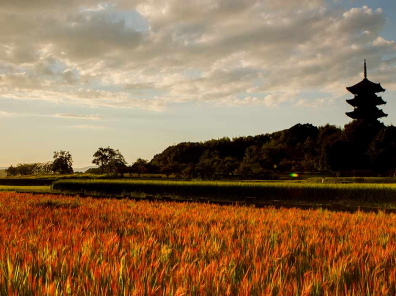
366	101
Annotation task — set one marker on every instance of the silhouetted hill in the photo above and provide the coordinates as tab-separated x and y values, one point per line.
301	148
191	152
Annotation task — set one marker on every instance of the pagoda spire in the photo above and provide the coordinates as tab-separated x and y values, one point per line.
365	69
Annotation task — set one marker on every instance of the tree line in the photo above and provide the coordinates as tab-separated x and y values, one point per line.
61	164
360	145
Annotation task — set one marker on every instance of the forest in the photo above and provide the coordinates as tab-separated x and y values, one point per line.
361	147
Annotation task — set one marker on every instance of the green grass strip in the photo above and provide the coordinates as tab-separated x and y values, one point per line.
237	190
44	189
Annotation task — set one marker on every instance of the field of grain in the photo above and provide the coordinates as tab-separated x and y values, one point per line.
263	191
66	246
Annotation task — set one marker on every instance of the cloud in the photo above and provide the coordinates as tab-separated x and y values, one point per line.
75	116
92	127
271	100
317	103
147	54
383	43
7	114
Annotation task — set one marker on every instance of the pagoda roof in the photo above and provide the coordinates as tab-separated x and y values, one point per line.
362	100
365	86
366	114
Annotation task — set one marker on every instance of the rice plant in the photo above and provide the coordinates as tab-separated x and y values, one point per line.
59	246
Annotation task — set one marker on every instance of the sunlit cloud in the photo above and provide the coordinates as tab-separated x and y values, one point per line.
92	127
7	114
316	103
77	116
148	54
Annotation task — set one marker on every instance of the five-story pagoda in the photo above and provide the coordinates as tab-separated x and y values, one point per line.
366	101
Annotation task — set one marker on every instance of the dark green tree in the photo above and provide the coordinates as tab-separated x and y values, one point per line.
12	171
382	151
273	153
169	169
118	165
24	169
189	171
208	164
109	160
46	168
358	135
140	166
62	163
251	165
229	166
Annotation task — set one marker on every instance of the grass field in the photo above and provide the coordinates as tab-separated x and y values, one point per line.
66	246
369	180
36	180
308	192
46	189
286	192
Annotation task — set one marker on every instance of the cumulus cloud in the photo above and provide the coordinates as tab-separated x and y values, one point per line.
148	53
384	43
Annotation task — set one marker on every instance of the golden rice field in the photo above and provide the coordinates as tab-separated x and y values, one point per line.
65	246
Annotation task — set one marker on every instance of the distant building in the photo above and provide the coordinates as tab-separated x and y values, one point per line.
366	101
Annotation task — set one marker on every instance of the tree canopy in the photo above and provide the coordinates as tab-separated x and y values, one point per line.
109	160
63	162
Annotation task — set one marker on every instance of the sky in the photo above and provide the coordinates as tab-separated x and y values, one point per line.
140	75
